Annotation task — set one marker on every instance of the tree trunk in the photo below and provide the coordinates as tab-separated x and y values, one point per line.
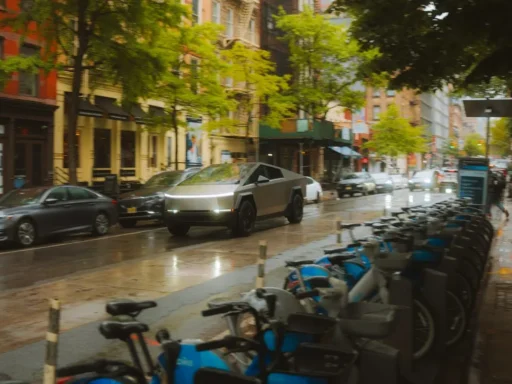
176	131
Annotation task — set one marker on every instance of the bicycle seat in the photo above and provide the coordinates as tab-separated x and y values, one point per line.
387	219
122	331
310	324
379	226
292	264
350	225
212	375
128	307
339	259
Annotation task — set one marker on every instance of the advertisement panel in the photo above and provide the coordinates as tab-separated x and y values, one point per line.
194	143
473	175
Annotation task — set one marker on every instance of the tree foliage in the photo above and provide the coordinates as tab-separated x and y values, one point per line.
451	147
500	137
436	41
394	135
193	87
474	145
255	82
115	39
326	63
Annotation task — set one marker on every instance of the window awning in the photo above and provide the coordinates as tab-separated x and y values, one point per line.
85	107
345	151
138	114
114	111
156	111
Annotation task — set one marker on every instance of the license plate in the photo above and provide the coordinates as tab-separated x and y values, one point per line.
348	188
132	210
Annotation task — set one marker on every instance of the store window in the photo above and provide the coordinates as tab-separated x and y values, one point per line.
216	12
66	149
376	112
230	23
153	148
128	143
28	80
390	93
102	148
376	93
252	31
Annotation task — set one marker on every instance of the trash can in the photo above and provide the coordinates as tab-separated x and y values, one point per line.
111	186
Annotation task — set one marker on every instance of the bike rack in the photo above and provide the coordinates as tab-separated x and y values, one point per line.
378	363
435	284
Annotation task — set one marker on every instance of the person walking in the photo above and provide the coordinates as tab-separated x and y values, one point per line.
497	186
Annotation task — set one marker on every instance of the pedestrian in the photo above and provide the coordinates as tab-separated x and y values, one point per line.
497	184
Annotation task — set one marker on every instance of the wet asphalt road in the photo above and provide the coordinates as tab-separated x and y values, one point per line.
54	260
148	263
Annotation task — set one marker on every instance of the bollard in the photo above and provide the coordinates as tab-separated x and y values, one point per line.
52	343
262	257
339	232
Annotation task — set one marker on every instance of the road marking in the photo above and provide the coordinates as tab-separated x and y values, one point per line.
80	241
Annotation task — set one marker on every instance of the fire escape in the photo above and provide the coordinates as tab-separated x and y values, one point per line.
242	30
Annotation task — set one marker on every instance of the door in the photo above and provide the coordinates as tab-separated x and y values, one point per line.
82	206
278	189
261	192
56	217
28	164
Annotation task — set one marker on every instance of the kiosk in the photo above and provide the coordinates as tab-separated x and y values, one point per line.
473	179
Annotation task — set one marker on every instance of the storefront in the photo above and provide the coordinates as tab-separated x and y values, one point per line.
26	143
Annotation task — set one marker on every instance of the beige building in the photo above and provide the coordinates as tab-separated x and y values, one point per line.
111	140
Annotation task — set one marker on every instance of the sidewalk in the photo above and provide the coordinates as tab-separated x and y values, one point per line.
492	354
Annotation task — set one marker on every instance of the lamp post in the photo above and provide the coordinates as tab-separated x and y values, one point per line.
488	112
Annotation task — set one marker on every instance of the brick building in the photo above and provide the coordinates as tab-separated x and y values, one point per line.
27	104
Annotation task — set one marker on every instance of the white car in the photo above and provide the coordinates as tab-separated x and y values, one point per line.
399	181
313	190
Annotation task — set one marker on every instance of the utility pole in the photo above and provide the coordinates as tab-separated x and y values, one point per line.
487	136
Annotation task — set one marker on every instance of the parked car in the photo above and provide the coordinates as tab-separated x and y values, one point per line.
384	182
235	196
28	215
450	181
426	179
399	181
313	190
359	182
148	202
501	165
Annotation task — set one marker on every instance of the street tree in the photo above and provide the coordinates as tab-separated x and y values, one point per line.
451	147
474	145
255	82
194	85
112	39
436	42
326	62
500	137
393	135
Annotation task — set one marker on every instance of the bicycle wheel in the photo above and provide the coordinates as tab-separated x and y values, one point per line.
456	319
425	328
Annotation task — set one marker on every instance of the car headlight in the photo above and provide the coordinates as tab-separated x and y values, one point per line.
427	180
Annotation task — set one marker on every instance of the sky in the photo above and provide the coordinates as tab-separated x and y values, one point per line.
324	4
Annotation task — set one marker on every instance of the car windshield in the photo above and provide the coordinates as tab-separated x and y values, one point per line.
165	179
380	176
352	176
423	174
22	197
220	174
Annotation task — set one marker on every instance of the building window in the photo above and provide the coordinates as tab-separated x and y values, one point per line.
252	31
3	4
376	112
216	12
128	143
196	9
230	23
390	93
376	93
194	68
66	149
28	81
102	148
169	151
152	151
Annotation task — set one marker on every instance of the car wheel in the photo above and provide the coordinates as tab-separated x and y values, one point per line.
297	209
317	198
101	224
244	223
26	234
128	223
178	230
